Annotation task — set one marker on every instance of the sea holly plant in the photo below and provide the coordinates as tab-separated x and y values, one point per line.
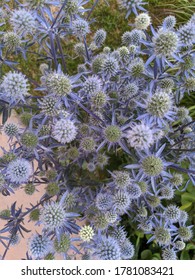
111	144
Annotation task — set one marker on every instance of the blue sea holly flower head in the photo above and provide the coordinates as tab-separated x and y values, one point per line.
140	136
14	87
142	21
64	131
19	170
107	248
80	28
23	22
39	246
169	22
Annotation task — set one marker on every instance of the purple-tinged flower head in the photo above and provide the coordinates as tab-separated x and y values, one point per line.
159	104
49	106
15	86
39	246
58	83
132	38
127	250
183	216
134	191
11	40
121	201
99	37
165	43
169	22
112	133
140	137
107	248
64	131
19	170
23	22
86	233
53	215
119	234
186	34
110	66
92	85
102	160
169	254
97	63
104	201
11	129
142	21
130	90
172	213
153	201
142	211
80	28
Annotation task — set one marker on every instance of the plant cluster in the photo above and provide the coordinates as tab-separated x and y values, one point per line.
109	142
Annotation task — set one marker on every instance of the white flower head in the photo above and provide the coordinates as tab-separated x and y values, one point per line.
64	131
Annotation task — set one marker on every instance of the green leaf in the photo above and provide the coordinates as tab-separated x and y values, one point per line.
146	255
188	197
186	206
185	255
139	234
190	246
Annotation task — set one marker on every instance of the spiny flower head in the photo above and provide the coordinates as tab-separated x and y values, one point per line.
80	27
110	66
11	41
112	133
136	67
92	85
152	165
11	129
127	250
86	233
142	21
121	178
162	235
124	53
99	37
15	85
99	99
172	213
179	245
103	201
23	22
159	104
166	84
185	233
177	179
52	189
131	6
59	84
71	7
19	170
79	49
111	216
39	246
169	254
29	140
107	249
53	215
130	90
87	144
121	201
169	22
64	131
134	191
186	34
190	84
165	43
167	192
48	106
183	216
140	136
